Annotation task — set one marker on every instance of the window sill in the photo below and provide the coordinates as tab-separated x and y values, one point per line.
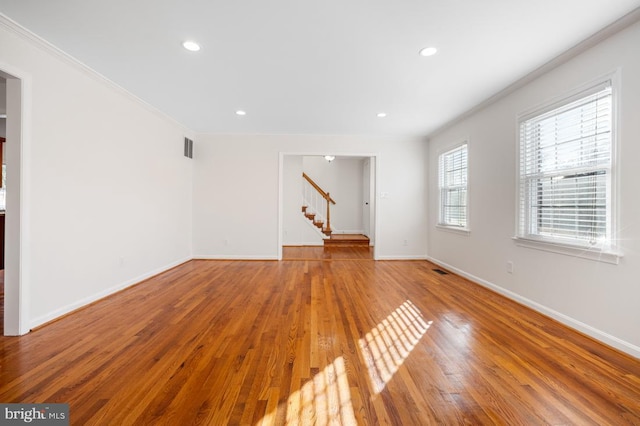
604	255
454	229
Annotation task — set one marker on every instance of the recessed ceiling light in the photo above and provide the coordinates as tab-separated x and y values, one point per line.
382	115
240	112
428	51
191	45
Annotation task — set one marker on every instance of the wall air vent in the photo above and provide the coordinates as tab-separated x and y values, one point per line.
188	148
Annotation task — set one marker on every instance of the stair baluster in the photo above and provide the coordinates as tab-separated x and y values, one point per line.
315	200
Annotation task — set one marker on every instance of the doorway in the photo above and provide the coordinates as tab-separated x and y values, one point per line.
290	172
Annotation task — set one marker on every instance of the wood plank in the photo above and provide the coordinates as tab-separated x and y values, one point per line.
315	339
327	253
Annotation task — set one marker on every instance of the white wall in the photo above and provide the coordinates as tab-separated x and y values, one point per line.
108	200
297	230
598	298
236	191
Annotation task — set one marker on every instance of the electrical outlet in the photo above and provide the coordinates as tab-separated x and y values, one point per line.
510	267
405	243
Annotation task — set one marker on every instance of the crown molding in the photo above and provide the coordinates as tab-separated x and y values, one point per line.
608	31
42	44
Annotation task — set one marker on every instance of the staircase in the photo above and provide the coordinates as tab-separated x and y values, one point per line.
317	223
336	240
316	200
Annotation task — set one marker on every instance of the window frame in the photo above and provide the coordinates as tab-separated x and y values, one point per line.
608	250
441	224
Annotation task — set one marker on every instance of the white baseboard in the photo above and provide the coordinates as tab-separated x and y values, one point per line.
593	332
348	231
95	297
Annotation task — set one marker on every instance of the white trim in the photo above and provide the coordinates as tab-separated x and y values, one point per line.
593	332
610	254
570	250
448	148
616	226
376	207
608	31
280	229
51	49
453	145
576	92
19	324
25	204
348	231
453	229
102	294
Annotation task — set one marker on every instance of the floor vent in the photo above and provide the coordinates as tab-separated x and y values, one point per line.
440	271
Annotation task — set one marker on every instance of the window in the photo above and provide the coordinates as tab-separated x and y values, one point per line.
453	187
565	193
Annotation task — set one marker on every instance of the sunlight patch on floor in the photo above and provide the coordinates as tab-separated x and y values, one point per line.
386	346
323	400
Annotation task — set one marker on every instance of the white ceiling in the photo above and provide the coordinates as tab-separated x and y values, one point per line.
326	67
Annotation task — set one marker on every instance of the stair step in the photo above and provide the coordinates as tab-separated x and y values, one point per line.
317	223
353	240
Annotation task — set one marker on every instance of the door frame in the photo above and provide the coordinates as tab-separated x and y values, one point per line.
368	176
16	288
373	157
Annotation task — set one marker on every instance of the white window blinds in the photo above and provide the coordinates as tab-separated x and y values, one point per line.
565	171
453	187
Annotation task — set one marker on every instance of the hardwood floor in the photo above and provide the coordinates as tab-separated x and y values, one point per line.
347	240
317	342
327	253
